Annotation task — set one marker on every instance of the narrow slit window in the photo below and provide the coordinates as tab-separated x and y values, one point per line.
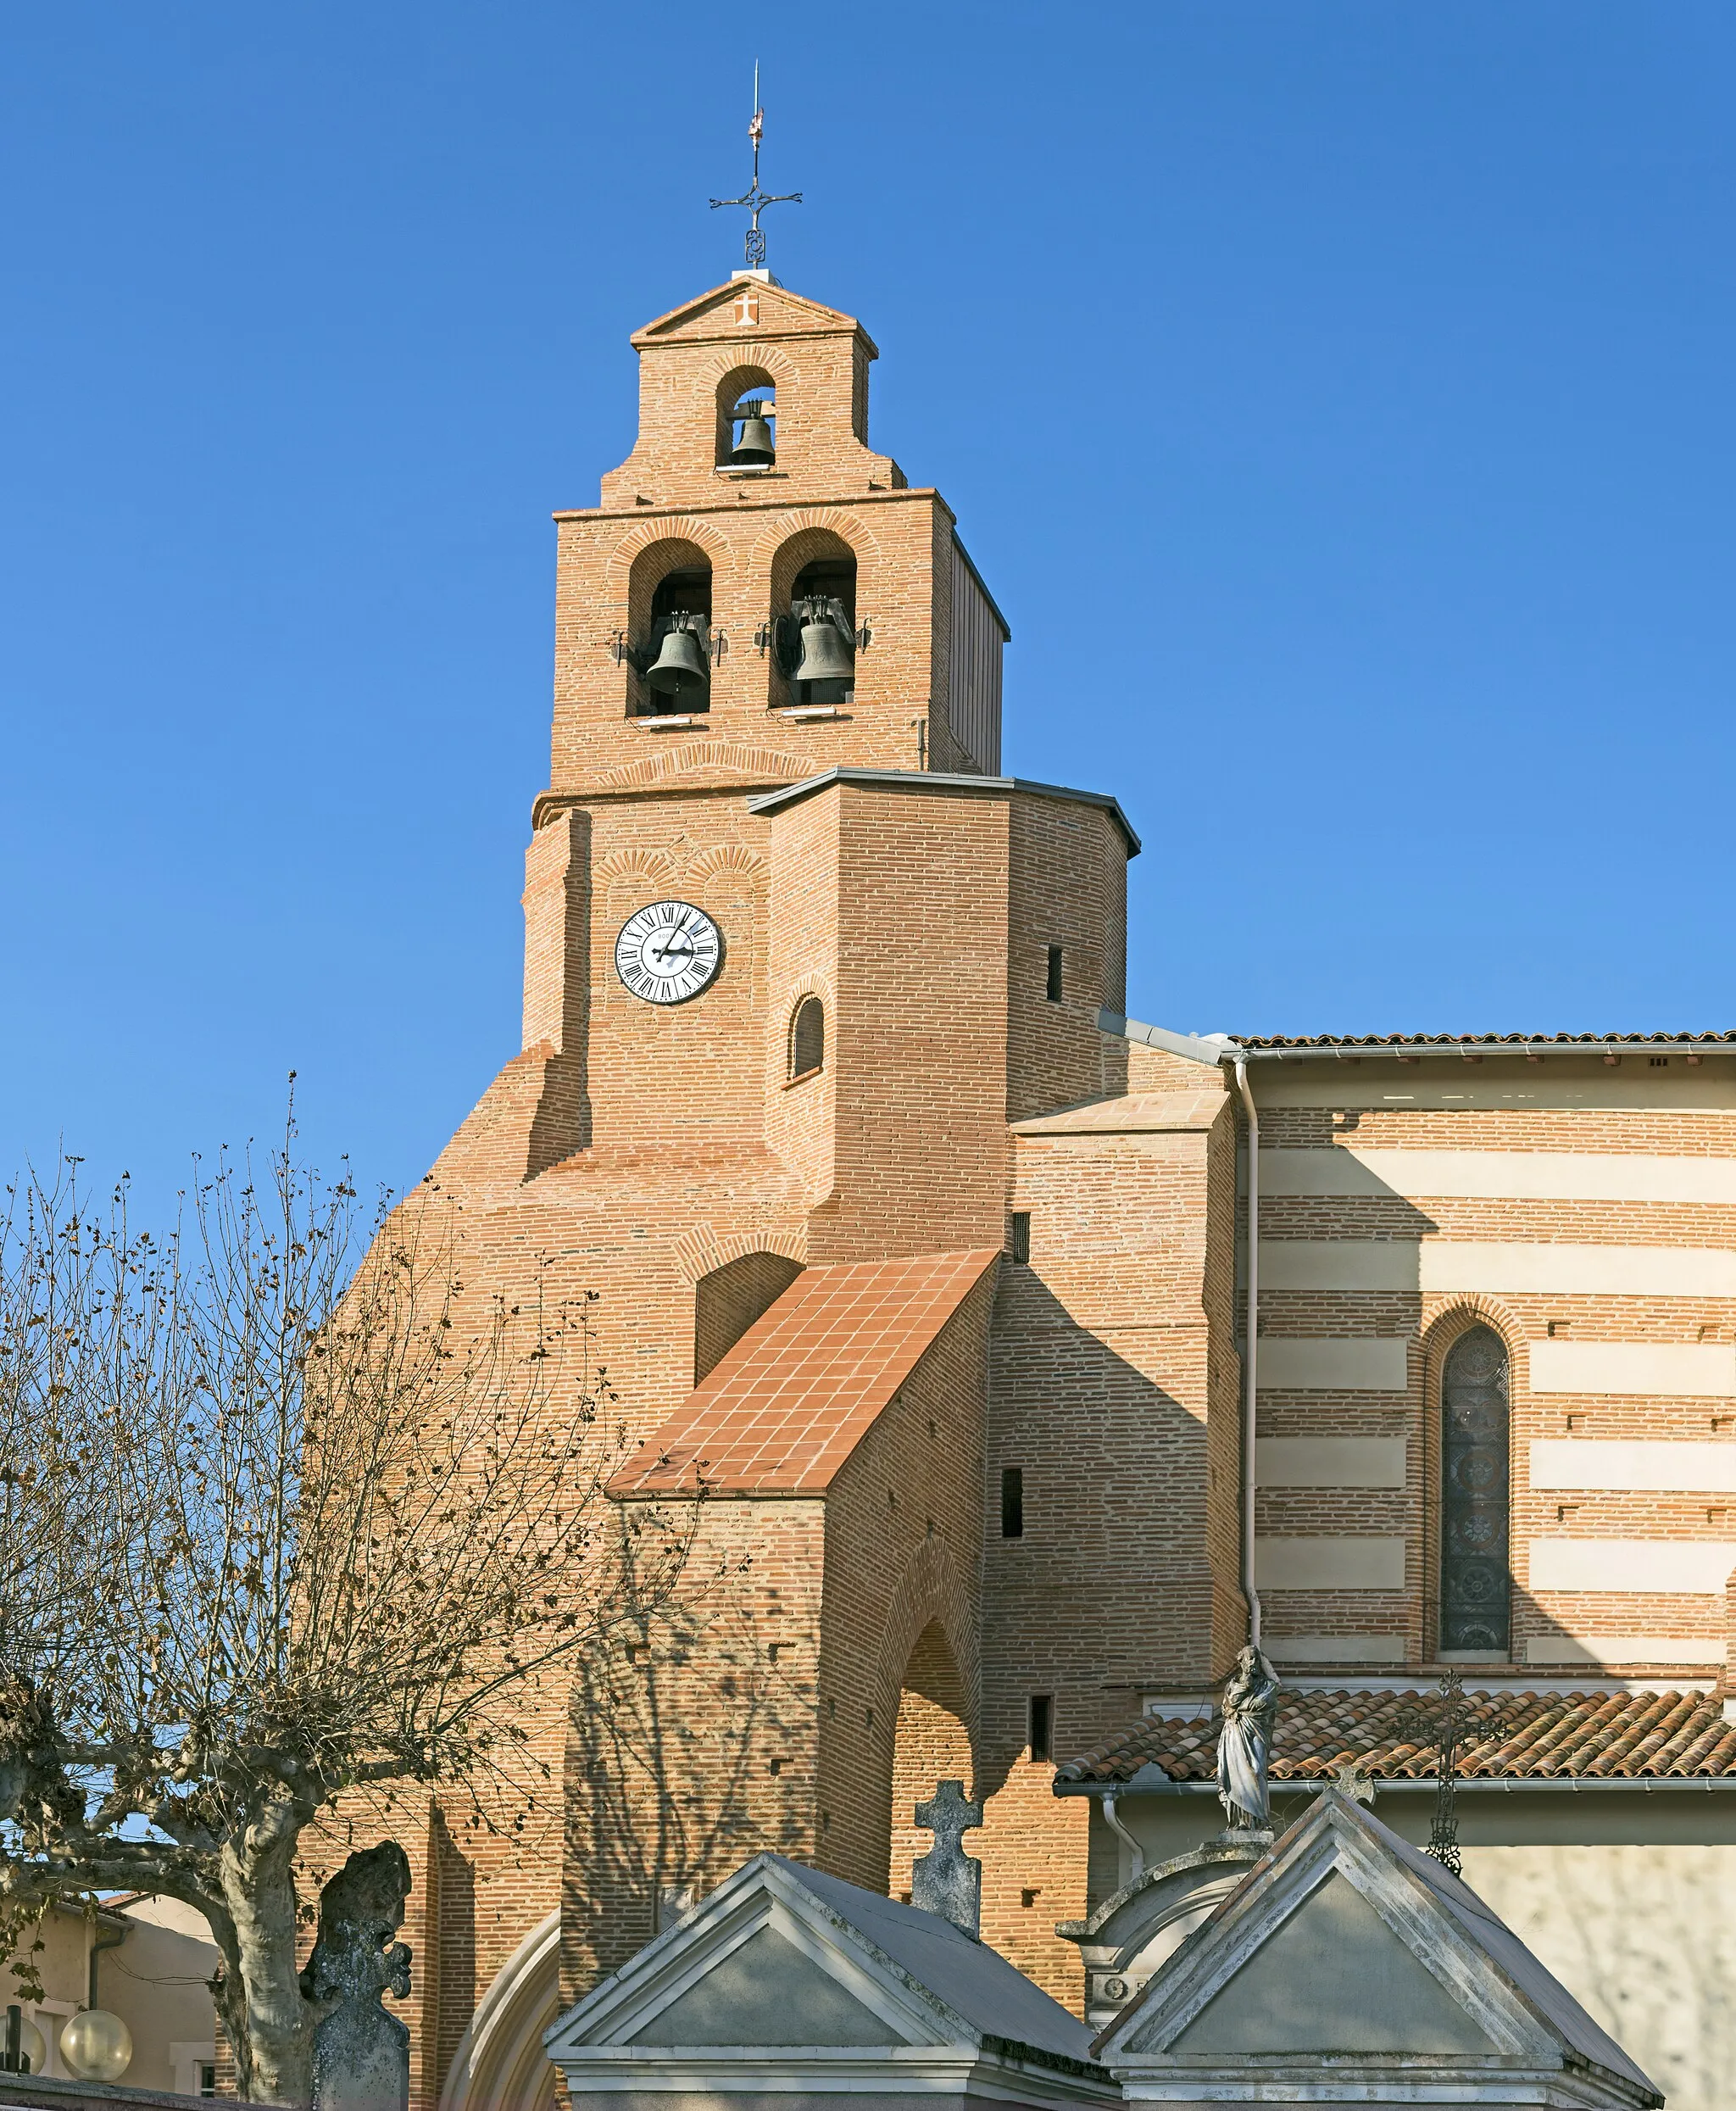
1042	1726
1012	1503
1052	990
1019	1235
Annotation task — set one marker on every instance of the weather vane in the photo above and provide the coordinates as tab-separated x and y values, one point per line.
754	197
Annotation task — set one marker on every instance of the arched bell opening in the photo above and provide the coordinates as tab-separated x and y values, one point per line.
667	647
813	631
1473	1453
747	420
932	1744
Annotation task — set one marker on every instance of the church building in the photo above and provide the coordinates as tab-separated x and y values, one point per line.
932	1277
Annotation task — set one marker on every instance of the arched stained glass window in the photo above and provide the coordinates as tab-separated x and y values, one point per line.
1475	1584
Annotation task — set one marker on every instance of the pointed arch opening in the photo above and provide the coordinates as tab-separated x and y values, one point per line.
932	1744
1475	1498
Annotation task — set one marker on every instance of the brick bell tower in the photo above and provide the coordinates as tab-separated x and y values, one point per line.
796	956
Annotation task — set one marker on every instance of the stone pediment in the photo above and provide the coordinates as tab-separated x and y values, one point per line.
784	1978
713	315
1348	1957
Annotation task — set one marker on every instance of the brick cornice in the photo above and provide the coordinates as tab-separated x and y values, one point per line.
789	503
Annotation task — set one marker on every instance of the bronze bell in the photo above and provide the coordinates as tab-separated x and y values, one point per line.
828	653
754	450
682	667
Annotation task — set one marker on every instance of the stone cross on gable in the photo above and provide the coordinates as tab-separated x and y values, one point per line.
946	1881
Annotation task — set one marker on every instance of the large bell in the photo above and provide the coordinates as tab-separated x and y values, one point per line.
682	668
828	655
754	450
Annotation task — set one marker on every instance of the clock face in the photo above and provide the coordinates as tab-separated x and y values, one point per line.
668	952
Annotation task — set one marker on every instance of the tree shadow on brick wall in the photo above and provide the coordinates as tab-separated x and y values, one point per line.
675	1770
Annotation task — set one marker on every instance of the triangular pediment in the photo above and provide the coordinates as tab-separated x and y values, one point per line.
1334	1978
1346	1940
761	1954
775	311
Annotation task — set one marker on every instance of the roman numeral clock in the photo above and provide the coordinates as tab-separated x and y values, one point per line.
668	952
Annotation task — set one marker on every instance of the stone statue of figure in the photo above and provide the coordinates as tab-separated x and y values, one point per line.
1250	1707
361	2055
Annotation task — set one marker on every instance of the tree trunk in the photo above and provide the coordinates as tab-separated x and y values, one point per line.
273	2032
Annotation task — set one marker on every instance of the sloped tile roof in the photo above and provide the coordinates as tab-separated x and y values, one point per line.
786	1408
1518	1734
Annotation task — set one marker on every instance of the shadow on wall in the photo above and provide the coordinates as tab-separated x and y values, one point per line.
1113	1476
932	1744
672	1771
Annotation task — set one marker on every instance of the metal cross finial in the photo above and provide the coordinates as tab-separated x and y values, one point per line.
1447	1722
754	197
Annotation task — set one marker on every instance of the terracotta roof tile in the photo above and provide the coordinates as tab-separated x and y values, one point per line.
786	1408
1519	1733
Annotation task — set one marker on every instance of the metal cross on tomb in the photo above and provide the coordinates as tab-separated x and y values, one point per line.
754	197
1444	1723
946	1881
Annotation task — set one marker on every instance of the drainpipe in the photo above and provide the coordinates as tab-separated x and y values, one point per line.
1250	1350
100	1943
1110	1807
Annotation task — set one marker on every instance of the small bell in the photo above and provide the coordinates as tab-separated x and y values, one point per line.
828	654
682	668
754	450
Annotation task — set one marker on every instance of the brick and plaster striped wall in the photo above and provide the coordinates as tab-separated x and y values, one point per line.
1585	1210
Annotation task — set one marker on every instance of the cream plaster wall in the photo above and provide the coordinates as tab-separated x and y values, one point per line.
1633	1463
1657	1370
1624	1649
1525	1176
1334	1461
1644	1937
1339	1563
1446	1264
1329	1366
1698	1566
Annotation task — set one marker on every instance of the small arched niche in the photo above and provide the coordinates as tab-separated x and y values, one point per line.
727	1302
669	630
814	624
747	420
1476	1586
807	1038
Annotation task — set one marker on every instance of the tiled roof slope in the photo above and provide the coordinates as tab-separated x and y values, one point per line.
786	1408
1521	1041
1517	1734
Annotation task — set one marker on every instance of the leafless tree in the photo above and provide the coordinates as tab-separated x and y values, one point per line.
278	1530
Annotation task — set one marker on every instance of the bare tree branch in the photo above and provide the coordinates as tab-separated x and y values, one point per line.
286	1512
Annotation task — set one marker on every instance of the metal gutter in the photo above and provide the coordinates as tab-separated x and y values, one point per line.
1508	1784
1410	1051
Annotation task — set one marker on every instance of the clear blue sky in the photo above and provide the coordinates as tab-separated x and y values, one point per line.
1337	396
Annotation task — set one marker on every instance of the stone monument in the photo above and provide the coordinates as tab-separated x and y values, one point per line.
946	1881
361	2055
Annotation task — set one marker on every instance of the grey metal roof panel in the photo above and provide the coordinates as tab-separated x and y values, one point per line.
992	1996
